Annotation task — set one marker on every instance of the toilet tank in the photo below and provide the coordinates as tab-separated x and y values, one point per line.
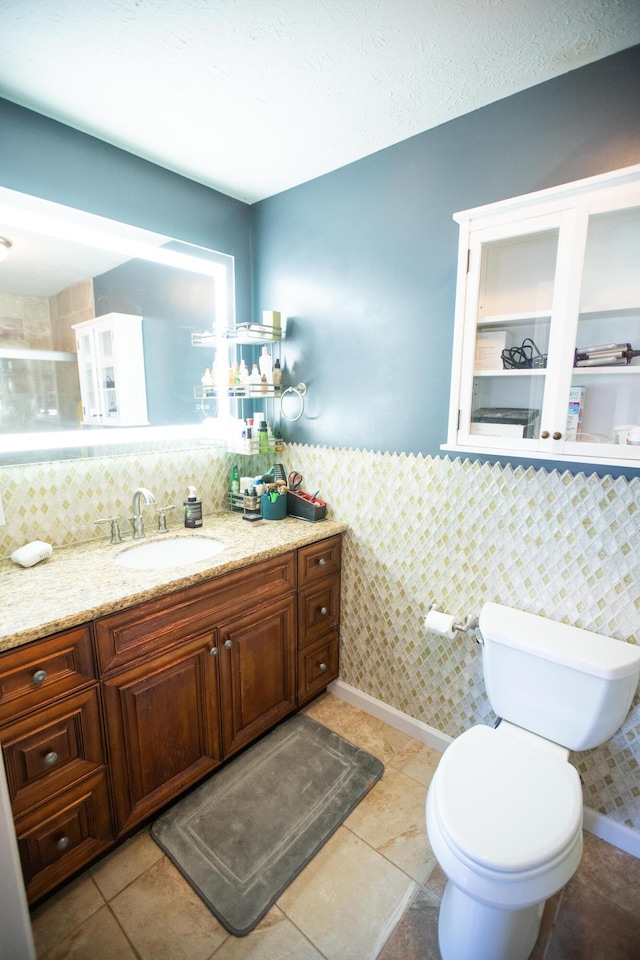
568	685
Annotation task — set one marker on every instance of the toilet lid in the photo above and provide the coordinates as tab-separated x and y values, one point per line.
506	804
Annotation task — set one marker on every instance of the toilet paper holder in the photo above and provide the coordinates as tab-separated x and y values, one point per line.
468	625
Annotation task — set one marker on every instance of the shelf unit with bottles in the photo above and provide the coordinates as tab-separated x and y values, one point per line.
242	400
548	323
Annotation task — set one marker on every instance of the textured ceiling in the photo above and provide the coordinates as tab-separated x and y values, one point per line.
254	96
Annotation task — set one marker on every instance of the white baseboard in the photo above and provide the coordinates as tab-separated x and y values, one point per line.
617	834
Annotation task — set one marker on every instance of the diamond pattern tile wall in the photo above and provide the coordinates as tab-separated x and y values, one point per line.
461	533
420	529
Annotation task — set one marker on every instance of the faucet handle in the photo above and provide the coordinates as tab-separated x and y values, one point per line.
162	517
116	536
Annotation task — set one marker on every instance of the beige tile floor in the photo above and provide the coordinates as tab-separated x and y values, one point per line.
372	891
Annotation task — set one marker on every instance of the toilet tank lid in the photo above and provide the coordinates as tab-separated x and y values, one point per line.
561	643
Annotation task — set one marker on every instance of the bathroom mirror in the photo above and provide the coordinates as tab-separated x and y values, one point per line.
63	267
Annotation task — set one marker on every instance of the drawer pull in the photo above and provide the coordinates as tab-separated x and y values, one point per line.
228	644
321	562
322	666
63	843
50	758
214	651
324	611
39	676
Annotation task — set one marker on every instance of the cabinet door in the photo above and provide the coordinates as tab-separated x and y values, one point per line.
257	671
106	374
519	322
91	408
162	727
605	382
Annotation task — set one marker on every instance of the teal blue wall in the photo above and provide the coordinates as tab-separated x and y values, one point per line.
364	259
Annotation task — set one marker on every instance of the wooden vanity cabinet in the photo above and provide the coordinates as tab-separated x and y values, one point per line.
55	758
104	724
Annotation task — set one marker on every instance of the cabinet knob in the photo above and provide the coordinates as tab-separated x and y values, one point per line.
228	644
321	562
63	843
40	676
50	758
545	434
324	611
213	652
322	666
557	435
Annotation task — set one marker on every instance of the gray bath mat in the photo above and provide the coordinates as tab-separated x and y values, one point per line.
241	837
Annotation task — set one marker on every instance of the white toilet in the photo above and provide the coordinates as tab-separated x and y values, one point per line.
504	808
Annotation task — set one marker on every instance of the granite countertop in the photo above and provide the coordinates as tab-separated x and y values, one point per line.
81	582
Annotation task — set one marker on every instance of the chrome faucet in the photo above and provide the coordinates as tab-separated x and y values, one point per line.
138	523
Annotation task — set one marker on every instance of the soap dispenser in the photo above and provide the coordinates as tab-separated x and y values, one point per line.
192	509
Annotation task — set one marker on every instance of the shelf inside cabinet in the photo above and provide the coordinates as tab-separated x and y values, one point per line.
609	312
512	319
525	372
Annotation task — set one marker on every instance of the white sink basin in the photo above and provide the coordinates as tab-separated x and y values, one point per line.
160	554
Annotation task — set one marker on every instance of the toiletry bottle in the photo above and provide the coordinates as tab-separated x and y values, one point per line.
192	509
277	374
255	381
266	365
263	438
235	479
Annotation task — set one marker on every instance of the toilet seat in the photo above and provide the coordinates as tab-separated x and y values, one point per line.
505	805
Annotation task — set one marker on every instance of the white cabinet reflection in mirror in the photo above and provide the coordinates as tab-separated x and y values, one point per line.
112	372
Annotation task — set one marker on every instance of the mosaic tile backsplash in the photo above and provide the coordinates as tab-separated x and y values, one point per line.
420	529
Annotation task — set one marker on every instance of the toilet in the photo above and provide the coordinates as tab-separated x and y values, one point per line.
504	807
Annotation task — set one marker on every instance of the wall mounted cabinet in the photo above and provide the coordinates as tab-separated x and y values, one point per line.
112	372
547	322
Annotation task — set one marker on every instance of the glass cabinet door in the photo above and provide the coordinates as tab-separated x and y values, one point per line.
510	349
105	355
605	383
91	407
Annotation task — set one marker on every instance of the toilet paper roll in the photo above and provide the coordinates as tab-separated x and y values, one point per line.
440	623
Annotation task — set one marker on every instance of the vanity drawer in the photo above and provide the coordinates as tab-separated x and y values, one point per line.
317	666
57	839
318	609
319	560
42	671
52	748
132	634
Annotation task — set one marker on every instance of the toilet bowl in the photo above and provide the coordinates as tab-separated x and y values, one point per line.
504	818
504	807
